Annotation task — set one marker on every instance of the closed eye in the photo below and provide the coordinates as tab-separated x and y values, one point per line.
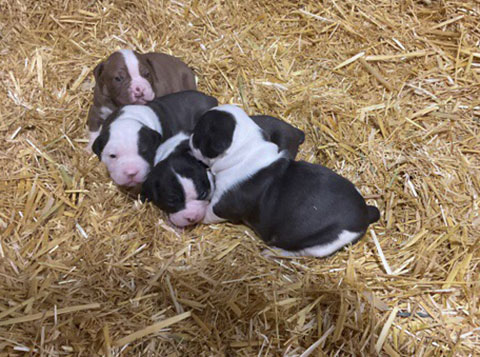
203	195
171	201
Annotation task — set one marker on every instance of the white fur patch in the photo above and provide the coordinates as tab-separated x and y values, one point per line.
131	61
138	83
188	188
323	250
92	136
142	114
128	168
211	180
193	213
168	146
248	153
120	154
105	112
211	217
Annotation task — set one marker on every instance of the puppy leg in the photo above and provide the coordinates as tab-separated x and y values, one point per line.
211	217
322	250
278	252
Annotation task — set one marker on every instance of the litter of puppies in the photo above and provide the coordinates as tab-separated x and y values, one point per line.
387	95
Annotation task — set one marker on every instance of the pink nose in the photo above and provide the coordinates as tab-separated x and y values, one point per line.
131	172
192	217
138	91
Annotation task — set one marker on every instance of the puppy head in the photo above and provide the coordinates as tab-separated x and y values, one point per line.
212	136
181	186
127	147
125	77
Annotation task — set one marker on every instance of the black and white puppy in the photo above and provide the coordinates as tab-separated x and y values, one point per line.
298	207
131	135
182	186
179	184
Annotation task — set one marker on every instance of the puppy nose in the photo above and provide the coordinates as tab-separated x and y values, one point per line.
131	172
138	91
192	217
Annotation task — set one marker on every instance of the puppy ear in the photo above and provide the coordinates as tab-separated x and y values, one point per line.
213	133
148	60
152	137
97	71
151	68
300	136
148	142
99	144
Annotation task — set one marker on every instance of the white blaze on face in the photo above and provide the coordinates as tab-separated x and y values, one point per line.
120	154
194	210
140	91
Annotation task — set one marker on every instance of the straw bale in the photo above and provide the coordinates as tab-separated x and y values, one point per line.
388	94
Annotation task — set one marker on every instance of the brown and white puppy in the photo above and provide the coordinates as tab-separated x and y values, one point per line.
128	77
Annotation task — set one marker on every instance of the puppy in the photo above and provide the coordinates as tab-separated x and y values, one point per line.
300	208
182	186
131	135
179	184
128	77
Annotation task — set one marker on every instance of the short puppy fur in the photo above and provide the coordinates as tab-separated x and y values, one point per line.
131	135
298	207
182	186
128	77
179	184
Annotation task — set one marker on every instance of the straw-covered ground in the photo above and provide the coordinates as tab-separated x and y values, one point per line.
388	94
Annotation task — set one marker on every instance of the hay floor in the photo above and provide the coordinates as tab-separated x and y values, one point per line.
388	94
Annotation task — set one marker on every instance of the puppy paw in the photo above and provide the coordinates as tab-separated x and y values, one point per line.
273	252
210	217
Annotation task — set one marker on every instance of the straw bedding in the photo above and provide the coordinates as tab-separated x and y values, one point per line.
388	94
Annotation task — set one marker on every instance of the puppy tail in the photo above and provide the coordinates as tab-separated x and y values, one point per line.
373	214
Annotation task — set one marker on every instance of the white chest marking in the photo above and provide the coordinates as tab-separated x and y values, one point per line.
105	112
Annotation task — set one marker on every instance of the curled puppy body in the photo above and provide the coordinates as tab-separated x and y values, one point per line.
131	135
301	208
179	184
128	77
182	186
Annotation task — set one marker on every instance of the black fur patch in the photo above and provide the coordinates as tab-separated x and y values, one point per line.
295	205
163	189
162	186
213	133
100	142
148	142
